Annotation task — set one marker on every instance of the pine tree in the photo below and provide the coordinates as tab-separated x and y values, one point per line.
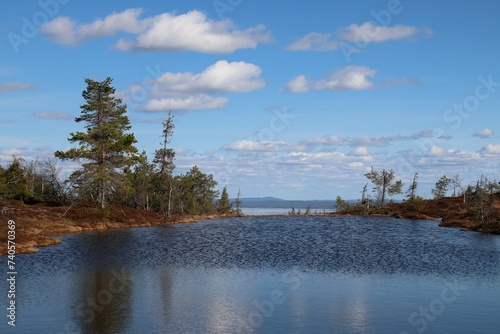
196	193
14	181
237	202
223	204
142	180
410	193
441	187
164	161
384	183
365	199
106	147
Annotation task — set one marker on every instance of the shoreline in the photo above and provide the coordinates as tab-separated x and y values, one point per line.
39	225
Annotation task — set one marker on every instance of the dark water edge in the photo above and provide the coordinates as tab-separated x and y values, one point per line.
264	275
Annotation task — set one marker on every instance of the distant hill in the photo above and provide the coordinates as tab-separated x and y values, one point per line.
260	199
273	202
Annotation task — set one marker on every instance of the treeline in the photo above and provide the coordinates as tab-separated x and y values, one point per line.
111	169
479	198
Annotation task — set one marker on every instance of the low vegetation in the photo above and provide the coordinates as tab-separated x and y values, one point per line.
475	207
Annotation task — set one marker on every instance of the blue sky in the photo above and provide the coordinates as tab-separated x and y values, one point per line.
294	100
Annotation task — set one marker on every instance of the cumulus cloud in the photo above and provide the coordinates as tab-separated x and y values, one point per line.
484	133
370	141
436	151
299	84
355	165
359	151
15	86
196	102
491	149
314	41
64	30
195	91
221	77
348	78
250	145
53	115
191	31
194	31
367	32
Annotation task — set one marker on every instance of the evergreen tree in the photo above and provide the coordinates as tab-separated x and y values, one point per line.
384	183
195	192
223	204
441	187
341	205
410	193
142	180
106	147
237	202
365	199
164	162
14	183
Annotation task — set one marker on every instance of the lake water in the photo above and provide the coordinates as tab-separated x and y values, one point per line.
263	275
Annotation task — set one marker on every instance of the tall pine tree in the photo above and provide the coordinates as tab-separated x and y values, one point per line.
106	148
164	162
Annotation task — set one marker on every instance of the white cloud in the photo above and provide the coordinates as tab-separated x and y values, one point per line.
359	151
221	77
364	33
369	141
194	31
436	151
484	133
314	41
53	115
191	31
64	30
299	84
491	149
348	78
194	91
355	164
194	102
320	158
368	32
15	86
250	145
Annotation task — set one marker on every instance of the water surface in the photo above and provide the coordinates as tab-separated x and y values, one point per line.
264	275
